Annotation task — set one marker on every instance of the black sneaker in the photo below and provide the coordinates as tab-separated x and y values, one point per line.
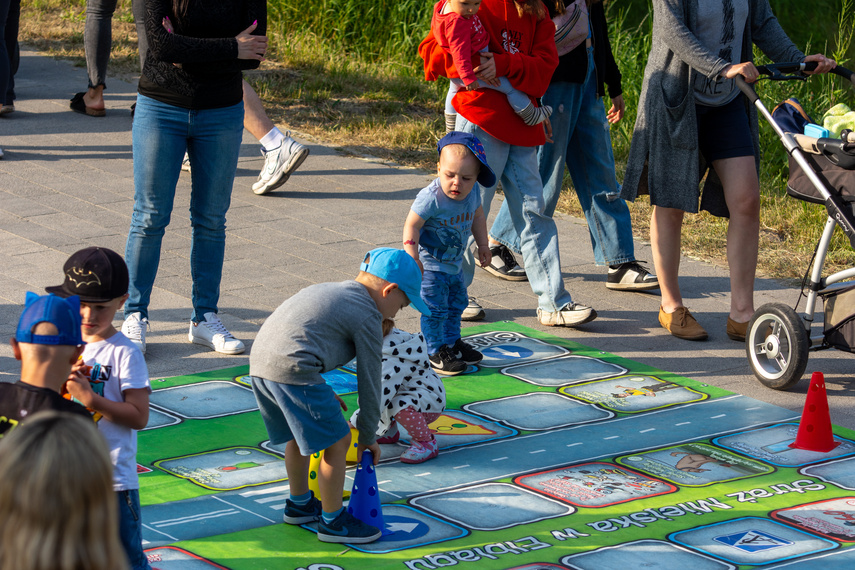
466	353
302	514
504	265
631	276
347	528
446	362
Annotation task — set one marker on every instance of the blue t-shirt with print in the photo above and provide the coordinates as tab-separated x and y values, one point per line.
448	225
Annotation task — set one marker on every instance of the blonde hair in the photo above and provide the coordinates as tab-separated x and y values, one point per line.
57	505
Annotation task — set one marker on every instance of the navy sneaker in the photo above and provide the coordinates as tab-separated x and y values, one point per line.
302	514
347	528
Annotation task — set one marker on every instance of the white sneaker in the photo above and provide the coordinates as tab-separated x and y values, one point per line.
473	311
279	164
212	333
571	315
185	164
134	328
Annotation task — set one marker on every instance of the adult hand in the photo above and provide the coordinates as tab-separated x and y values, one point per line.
250	46
487	69
746	69
824	65
615	114
547	129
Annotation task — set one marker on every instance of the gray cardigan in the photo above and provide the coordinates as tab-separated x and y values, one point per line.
664	160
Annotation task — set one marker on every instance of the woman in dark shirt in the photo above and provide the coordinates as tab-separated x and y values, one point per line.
190	99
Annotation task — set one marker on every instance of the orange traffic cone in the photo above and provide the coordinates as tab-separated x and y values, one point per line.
815	428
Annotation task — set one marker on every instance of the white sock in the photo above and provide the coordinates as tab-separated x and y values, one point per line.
272	139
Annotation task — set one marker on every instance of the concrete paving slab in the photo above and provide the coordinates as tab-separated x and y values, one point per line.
67	182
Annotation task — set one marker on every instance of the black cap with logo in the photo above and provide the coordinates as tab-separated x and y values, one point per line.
95	274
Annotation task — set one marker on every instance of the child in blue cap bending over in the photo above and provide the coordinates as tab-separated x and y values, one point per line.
436	233
318	329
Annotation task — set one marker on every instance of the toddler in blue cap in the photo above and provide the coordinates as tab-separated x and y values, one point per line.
436	232
315	331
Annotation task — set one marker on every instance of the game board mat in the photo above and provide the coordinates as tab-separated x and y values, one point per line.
552	455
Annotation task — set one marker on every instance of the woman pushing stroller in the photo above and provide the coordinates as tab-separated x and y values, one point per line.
692	116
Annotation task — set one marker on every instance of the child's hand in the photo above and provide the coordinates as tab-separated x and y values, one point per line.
78	386
250	46
341	403
374	448
484	255
167	25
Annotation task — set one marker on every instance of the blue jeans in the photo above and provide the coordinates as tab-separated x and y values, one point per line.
161	135
516	167
130	528
98	38
445	296
581	140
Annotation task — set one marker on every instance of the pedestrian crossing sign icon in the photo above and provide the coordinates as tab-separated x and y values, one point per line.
752	541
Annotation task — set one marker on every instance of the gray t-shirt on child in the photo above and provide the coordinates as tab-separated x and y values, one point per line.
721	24
318	329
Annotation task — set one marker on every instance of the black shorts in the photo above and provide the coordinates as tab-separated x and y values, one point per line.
724	132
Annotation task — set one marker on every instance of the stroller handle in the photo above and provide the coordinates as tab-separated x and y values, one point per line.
787	72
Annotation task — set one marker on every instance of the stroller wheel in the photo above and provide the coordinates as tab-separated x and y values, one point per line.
777	346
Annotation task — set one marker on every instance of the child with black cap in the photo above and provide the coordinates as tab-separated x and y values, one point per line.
318	329
47	342
436	233
111	379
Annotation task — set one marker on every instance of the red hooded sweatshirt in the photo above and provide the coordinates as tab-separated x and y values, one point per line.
524	53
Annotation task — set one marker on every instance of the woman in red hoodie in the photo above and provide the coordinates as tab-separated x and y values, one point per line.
522	48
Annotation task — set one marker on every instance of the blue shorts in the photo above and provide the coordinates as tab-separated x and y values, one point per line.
724	132
308	414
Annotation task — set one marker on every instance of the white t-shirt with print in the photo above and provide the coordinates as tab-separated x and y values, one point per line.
118	366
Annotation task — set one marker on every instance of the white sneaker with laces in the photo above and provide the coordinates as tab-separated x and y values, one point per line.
185	164
134	328
473	311
570	315
212	333
279	164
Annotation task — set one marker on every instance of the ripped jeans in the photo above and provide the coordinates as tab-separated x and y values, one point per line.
581	140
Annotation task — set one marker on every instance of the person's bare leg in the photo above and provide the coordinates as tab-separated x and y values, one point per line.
665	227
255	118
742	194
297	466
331	474
94	97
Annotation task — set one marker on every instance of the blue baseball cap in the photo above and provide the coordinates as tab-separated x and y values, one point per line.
486	177
396	266
64	314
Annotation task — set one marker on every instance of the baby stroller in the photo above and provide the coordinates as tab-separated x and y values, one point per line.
822	171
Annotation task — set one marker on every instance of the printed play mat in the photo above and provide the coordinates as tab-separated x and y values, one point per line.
552	455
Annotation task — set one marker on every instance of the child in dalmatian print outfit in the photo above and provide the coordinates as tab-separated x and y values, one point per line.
413	395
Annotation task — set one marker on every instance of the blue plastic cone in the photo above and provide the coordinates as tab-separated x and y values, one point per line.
365	497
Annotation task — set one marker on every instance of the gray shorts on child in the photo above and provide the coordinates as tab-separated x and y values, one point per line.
308	414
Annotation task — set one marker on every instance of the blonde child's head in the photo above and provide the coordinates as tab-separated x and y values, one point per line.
57	505
465	8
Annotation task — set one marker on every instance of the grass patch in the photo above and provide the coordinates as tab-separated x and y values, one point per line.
347	73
